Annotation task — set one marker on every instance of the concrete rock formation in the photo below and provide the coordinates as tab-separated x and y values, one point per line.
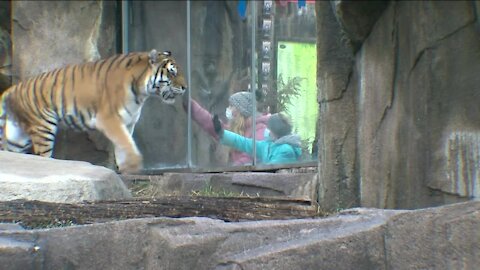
399	118
31	177
53	34
436	238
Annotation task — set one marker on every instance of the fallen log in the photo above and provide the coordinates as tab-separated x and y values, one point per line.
225	208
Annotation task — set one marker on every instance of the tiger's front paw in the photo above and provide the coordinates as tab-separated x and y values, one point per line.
133	164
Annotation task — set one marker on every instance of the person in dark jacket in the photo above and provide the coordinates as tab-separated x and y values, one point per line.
279	146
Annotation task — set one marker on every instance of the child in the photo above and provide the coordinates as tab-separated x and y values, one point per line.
280	145
239	115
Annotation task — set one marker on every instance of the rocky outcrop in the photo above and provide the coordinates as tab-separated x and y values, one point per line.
5	46
437	238
338	184
55	43
357	18
30	177
405	122
53	34
418	105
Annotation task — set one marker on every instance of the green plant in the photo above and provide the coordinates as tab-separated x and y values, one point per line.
285	91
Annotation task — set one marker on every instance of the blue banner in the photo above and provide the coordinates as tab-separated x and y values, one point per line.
301	3
242	8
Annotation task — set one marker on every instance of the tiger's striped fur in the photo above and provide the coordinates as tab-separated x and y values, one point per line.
106	95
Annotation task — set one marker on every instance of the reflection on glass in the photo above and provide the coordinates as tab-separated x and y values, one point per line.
220	67
267	26
279	145
160	133
290	85
267	7
266	68
266	48
221	61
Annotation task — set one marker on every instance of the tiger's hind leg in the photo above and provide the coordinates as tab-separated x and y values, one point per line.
43	138
15	139
127	156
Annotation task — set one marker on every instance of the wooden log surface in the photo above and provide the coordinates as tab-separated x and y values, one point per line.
225	208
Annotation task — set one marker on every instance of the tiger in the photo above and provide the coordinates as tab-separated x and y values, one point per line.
105	95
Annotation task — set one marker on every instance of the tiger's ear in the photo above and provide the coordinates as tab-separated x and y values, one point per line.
153	57
167	53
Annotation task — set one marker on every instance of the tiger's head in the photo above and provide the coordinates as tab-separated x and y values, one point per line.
167	81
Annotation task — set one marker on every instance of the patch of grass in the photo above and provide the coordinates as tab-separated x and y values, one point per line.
143	189
208	191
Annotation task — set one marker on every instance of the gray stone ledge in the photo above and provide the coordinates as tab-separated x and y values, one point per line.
31	177
435	238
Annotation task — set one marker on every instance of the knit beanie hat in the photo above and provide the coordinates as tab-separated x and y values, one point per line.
243	102
279	124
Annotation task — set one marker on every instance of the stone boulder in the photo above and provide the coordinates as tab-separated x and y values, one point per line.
357	18
31	177
444	237
360	238
399	119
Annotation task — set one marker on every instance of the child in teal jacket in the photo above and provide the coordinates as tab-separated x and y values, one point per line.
280	145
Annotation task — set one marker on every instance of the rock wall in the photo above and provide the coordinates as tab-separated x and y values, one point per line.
51	34
5	46
414	115
338	184
437	238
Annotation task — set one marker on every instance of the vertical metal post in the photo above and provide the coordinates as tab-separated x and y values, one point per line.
253	83
189	83
125	25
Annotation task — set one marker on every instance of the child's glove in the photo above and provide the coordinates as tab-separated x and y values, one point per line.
217	126
185	99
